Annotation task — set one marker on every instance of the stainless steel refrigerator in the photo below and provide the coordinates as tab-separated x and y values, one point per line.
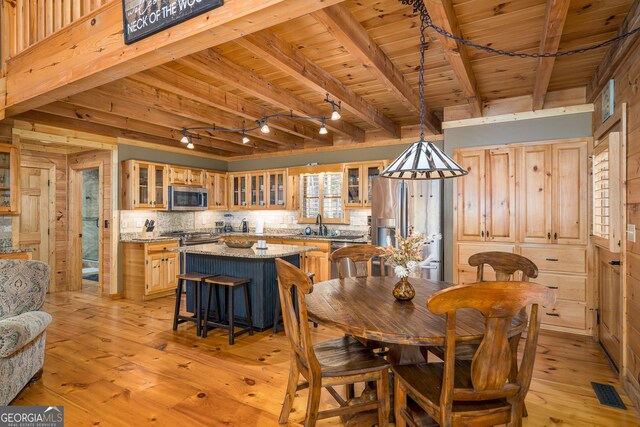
409	204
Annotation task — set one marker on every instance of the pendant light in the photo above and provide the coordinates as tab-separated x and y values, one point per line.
423	160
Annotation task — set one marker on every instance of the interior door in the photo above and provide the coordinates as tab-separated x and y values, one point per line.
37	212
610	295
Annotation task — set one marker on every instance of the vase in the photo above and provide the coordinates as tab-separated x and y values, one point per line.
403	291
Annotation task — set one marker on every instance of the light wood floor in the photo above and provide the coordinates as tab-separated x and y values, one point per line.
118	363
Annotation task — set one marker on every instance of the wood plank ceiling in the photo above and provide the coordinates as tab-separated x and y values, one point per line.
365	54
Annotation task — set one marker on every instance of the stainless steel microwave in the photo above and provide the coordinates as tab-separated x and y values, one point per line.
188	199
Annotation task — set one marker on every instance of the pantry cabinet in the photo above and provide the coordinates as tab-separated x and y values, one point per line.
485	197
144	185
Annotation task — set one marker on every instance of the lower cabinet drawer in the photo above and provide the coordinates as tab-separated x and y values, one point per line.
565	286
567	314
558	258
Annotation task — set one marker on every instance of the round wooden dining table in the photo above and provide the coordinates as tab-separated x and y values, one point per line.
366	308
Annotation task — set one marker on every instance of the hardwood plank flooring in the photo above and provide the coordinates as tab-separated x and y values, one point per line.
118	363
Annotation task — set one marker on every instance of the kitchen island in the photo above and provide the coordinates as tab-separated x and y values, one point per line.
253	263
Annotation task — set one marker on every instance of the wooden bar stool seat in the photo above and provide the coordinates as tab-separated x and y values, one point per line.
277	318
229	283
197	279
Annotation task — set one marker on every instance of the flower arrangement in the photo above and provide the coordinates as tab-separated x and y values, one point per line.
407	256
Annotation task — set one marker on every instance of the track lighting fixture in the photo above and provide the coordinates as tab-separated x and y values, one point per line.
185	138
245	138
335	106
190	145
335	115
323	129
265	127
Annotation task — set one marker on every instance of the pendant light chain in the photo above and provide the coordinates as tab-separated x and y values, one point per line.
423	107
425	18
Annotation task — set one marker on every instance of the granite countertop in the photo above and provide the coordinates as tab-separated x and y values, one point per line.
10	250
363	239
220	249
148	239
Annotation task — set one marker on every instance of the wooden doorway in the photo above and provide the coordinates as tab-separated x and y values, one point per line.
36	225
76	222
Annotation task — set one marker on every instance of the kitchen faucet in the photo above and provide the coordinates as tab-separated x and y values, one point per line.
322	229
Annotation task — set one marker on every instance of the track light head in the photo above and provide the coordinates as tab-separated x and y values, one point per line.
335	115
184	139
323	129
265	127
190	145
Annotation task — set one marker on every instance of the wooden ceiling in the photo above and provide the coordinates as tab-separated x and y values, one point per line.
365	54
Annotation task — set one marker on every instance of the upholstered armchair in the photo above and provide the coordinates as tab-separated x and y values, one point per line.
23	286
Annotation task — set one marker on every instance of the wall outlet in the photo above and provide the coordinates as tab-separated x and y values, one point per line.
631	233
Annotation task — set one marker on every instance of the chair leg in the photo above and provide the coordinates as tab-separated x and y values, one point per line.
198	302
292	385
248	307
176	312
231	317
313	402
399	402
514	341
350	391
207	299
383	399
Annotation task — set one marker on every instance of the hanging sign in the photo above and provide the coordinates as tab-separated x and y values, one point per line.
143	18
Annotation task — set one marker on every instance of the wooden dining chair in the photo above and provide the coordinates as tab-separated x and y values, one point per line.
475	392
340	361
360	256
505	264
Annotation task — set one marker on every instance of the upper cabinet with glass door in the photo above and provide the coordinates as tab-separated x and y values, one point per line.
145	185
9	182
277	189
358	179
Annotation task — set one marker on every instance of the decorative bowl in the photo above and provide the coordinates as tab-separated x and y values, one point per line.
243	244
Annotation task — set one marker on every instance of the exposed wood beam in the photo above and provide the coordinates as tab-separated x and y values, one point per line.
176	82
81	125
554	18
91	51
213	65
106	102
344	27
615	54
151	97
289	59
107	119
444	16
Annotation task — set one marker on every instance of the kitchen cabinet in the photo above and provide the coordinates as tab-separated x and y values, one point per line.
186	176
316	261
217	183
553	193
485	198
150	270
239	188
357	183
9	179
144	185
277	189
257	190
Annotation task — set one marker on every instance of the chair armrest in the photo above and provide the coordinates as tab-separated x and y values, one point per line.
20	330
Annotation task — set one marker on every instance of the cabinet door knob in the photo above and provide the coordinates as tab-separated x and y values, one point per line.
549	236
482	234
555	236
487	233
553	314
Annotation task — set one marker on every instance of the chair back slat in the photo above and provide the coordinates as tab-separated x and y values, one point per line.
296	326
498	302
505	264
360	256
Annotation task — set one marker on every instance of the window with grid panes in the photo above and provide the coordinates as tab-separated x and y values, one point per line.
322	194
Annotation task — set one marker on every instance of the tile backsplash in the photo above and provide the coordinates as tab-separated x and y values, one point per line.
133	221
5	231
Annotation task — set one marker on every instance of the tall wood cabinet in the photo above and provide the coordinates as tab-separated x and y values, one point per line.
530	199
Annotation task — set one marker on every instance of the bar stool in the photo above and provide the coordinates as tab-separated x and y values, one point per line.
229	283
197	279
277	318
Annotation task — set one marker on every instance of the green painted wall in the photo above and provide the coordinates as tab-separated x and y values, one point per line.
128	152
